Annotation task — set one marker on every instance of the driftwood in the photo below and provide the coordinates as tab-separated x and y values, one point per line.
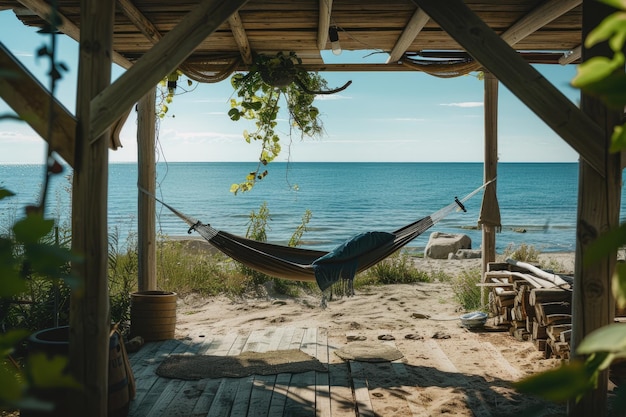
534	304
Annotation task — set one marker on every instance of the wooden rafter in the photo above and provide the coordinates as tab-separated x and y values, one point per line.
524	27
545	100
159	61
239	33
410	32
28	98
43	10
326	7
537	18
574	55
140	21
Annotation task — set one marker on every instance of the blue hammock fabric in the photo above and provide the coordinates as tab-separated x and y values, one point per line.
343	261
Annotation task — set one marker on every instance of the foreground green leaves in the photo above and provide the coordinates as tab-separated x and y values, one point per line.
603	76
30	252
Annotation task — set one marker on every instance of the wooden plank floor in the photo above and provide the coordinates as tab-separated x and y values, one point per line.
348	388
271	395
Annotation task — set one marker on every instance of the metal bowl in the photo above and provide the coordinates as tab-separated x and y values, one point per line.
474	320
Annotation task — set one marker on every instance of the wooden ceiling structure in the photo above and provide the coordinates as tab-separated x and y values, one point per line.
546	31
209	39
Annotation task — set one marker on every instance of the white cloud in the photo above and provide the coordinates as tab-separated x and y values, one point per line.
329	97
465	104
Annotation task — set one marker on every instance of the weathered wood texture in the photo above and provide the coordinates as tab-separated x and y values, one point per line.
490	169
28	98
89	315
146	205
599	195
159	61
348	389
530	302
302	26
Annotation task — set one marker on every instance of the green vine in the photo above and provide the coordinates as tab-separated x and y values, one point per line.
258	95
167	91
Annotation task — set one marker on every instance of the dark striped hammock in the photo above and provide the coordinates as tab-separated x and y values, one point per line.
326	268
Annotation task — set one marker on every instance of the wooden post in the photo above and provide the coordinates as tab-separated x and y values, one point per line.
490	169
593	305
146	205
89	314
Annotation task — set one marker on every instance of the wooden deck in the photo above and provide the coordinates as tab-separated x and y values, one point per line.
347	389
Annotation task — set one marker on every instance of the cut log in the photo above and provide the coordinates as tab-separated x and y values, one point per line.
558	319
553	278
539	331
531	279
554	331
543	310
547	295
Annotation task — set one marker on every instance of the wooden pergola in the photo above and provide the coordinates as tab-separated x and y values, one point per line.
208	39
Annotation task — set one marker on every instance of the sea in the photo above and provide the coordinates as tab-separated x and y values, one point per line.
537	200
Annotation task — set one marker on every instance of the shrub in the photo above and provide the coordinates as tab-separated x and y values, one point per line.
522	253
465	290
396	269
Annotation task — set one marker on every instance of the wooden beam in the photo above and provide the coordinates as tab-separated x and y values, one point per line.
410	32
138	19
323	24
159	61
146	205
43	10
90	319
545	100
539	17
31	101
490	171
239	33
599	200
573	55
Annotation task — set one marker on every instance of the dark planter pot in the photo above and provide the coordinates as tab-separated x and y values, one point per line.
55	342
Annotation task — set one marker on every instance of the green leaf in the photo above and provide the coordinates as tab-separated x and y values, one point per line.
561	384
50	372
610	338
618	139
32	228
605	245
4	193
12	284
9	340
593	70
619	284
618	4
612	28
612	89
12	384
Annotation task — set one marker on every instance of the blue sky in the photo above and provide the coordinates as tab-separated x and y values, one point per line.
381	117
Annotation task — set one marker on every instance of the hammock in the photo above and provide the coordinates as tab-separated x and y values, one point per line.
326	268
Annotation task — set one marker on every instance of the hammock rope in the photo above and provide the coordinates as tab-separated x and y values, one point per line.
326	268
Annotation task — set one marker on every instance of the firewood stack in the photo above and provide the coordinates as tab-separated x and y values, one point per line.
533	304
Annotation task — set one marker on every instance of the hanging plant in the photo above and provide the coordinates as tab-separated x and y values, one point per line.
259	92
167	89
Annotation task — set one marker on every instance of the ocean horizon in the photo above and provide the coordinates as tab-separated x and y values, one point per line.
538	201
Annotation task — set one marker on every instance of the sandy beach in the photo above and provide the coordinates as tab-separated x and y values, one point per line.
457	371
